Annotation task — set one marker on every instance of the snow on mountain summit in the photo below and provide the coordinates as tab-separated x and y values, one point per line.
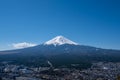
60	40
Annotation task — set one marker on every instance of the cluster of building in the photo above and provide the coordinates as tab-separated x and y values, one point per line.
98	71
102	71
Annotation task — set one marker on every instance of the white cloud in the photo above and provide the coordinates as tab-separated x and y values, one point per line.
23	45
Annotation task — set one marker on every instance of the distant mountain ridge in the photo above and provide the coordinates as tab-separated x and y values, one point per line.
60	51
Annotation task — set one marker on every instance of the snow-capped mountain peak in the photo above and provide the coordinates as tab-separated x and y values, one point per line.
60	40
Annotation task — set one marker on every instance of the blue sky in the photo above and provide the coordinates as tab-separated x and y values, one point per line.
88	22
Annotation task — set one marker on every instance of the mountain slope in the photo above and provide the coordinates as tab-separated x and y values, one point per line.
60	51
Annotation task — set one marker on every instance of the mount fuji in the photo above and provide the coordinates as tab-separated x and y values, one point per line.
60	40
60	51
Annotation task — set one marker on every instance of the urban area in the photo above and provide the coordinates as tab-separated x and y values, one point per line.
98	71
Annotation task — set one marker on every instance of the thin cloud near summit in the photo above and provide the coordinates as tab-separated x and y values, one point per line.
23	45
